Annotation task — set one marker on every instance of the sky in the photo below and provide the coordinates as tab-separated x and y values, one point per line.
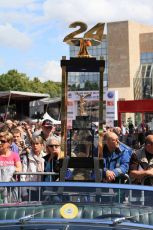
32	31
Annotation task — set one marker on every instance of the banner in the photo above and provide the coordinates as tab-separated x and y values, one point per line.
111	98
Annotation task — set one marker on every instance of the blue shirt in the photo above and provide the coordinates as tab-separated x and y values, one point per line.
14	148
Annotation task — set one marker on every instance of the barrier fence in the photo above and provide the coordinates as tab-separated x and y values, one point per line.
19	192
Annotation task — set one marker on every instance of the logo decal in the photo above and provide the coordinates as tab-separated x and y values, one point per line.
69	211
110	94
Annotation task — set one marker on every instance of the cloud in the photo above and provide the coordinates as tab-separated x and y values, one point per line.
51	71
32	12
16	4
91	11
27	13
42	24
11	37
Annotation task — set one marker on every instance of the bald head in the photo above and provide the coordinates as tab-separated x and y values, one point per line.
149	143
149	139
111	140
110	135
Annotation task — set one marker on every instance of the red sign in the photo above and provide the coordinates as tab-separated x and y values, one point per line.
110	103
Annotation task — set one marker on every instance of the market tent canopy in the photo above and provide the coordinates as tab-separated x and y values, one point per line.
18	96
21	100
45	101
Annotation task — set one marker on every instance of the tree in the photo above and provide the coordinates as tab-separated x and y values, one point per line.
13	80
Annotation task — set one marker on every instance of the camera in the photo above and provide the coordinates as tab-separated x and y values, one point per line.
22	143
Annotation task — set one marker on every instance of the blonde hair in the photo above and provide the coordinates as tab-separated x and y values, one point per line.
7	135
53	139
37	139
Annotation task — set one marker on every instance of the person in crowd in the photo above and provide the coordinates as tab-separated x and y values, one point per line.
141	164
130	126
9	161
19	142
116	158
17	139
54	153
118	132
26	132
141	133
57	131
124	128
9	124
47	130
3	127
33	162
13	146
53	148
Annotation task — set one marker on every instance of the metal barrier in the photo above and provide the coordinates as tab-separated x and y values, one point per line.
12	192
134	196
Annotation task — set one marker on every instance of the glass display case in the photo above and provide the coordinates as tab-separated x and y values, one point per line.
82	106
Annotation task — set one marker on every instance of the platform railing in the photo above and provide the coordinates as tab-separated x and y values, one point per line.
11	192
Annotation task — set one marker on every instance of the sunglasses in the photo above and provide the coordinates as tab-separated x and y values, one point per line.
2	141
56	146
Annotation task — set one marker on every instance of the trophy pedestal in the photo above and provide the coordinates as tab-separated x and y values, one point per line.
81	137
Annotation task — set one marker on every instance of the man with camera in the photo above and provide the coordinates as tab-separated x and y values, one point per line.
19	141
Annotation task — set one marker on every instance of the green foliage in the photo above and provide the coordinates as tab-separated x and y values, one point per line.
20	82
88	86
54	89
91	85
14	81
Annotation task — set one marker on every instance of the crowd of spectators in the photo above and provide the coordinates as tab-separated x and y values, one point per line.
27	147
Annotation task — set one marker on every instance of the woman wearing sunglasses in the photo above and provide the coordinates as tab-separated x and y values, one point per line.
53	149
9	161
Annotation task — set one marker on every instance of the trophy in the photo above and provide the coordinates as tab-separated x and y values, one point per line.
92	37
80	144
82	103
77	113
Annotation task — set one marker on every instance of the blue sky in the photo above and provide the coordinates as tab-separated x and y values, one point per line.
32	31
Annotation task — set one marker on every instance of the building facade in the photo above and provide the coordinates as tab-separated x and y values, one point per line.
127	49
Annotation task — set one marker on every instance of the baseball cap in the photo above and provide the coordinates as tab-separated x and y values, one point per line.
47	123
